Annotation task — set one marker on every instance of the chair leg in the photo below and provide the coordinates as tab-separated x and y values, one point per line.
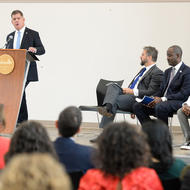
97	114
137	122
124	117
170	125
115	119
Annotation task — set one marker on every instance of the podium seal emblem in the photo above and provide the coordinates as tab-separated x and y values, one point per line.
6	64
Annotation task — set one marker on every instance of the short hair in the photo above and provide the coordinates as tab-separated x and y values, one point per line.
69	121
35	171
160	142
17	12
121	148
177	50
151	51
30	137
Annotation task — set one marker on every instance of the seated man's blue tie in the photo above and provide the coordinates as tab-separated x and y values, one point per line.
137	78
18	40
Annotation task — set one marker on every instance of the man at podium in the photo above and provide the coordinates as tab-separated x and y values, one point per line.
25	38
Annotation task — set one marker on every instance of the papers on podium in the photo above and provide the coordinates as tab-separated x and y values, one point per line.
145	100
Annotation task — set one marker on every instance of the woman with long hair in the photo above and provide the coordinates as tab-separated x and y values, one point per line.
122	161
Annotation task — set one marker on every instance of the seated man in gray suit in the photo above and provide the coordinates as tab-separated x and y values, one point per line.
146	82
183	116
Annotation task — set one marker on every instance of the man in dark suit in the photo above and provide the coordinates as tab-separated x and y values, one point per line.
146	82
174	90
73	156
25	38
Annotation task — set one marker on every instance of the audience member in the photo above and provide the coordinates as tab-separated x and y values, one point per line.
35	171
30	137
167	167
74	156
146	82
4	141
122	159
183	116
174	90
185	178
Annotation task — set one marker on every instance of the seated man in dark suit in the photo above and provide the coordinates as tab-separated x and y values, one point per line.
75	157
174	90
146	82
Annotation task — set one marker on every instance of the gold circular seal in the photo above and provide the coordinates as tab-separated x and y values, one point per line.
6	64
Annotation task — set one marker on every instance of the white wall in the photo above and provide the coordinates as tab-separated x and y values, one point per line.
88	41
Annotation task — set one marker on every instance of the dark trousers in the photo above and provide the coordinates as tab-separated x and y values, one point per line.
23	113
162	110
118	100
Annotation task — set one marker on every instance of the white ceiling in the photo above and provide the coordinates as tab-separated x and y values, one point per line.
90	1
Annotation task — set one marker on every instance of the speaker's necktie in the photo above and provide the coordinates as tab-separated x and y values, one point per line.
18	40
137	78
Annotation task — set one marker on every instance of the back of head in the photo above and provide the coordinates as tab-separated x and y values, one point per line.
160	141
30	137
121	148
69	121
34	172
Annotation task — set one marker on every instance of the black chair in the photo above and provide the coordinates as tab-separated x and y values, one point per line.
100	94
75	179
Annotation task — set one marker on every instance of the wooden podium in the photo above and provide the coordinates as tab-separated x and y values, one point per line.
14	65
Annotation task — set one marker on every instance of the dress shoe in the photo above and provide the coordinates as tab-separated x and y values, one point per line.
103	111
185	146
94	140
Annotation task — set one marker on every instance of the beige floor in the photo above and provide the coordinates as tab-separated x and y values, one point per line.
91	130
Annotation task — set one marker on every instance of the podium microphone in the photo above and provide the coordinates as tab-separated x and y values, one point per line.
7	42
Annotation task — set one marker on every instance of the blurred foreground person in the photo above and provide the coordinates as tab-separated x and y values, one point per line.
35	171
185	177
30	137
4	141
122	159
75	157
167	167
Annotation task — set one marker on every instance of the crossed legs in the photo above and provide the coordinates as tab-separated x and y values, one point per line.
118	100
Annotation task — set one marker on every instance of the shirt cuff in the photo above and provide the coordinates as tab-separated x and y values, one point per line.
185	103
164	99
136	92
